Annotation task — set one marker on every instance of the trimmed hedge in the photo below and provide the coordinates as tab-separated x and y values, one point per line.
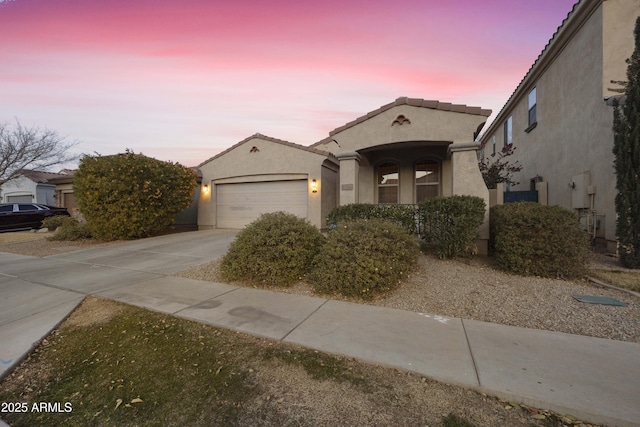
276	249
450	224
130	196
532	239
363	258
401	215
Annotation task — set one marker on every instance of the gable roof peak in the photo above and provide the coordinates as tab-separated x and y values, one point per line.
413	102
270	139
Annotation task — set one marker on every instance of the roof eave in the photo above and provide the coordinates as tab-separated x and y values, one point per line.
575	19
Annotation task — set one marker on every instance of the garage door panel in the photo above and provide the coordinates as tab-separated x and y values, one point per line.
240	204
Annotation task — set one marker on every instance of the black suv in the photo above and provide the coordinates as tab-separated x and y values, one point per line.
18	216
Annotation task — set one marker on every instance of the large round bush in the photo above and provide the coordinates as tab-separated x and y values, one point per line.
276	249
532	239
129	196
363	258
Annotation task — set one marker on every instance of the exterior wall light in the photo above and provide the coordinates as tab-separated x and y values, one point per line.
205	188
314	186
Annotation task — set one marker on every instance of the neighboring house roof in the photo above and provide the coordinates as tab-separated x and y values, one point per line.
64	177
580	12
39	176
268	138
414	102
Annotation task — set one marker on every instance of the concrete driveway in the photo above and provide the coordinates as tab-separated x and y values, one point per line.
163	254
36	294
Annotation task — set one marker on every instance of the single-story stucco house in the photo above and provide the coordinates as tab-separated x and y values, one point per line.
401	153
31	186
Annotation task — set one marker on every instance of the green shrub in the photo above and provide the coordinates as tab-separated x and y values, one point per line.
532	239
276	249
364	257
53	222
129	196
450	224
401	215
71	229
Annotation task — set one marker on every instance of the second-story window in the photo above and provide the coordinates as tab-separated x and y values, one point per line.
508	131
533	103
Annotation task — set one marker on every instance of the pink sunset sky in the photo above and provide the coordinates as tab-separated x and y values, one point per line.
184	80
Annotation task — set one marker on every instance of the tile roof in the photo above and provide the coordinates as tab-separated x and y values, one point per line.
268	138
414	102
40	176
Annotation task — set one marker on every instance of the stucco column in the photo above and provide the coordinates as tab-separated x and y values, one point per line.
467	180
349	169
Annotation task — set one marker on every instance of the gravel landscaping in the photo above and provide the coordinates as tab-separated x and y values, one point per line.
474	289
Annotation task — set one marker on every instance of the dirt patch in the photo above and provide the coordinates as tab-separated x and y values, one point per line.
22	236
93	312
36	244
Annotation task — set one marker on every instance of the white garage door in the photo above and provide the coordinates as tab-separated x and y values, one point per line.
240	204
20	199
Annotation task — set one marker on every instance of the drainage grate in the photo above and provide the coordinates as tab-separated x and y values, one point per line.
591	299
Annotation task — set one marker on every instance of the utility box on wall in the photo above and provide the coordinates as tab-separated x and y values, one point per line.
580	191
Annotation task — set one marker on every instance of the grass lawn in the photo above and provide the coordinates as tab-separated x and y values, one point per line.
114	364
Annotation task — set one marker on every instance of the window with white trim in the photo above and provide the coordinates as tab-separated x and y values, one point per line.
427	176
388	180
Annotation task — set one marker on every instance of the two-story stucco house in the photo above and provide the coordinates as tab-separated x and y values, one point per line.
559	119
401	153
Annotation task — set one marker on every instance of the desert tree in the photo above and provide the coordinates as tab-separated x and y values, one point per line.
626	149
24	147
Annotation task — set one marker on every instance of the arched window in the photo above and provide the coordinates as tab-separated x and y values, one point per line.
427	175
388	179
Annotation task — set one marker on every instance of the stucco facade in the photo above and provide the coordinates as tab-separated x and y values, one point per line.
261	159
558	118
404	133
402	153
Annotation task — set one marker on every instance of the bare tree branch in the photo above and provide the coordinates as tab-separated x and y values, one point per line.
31	148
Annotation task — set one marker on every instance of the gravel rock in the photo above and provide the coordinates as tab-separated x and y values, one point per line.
475	289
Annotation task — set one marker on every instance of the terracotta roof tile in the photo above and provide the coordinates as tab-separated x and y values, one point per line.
414	102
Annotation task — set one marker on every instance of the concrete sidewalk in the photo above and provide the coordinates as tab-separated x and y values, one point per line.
593	379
